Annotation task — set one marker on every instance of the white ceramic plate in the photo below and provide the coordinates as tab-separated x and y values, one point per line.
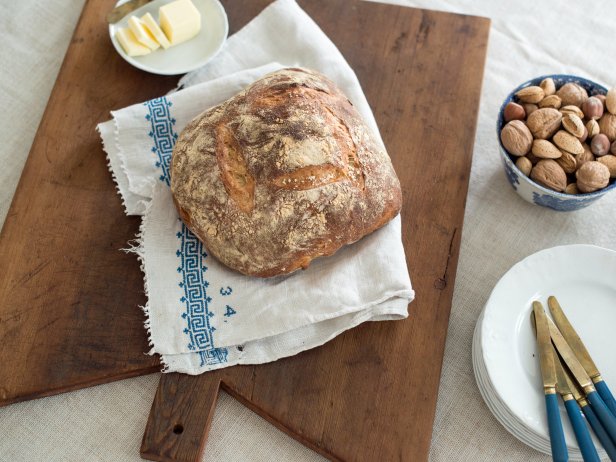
186	56
583	278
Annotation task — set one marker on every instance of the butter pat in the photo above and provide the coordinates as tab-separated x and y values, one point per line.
142	35
153	28
179	20
130	44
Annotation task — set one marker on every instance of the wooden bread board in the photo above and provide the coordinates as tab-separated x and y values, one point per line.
69	298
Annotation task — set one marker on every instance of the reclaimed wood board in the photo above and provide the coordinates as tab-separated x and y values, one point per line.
370	394
69	298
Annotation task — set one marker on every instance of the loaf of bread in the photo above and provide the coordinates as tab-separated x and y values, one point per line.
282	173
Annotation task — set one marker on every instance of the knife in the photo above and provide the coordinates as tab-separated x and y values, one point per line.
120	11
565	388
591	417
566	353
548	373
582	435
576	344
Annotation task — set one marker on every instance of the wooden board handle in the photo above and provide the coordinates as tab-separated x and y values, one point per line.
180	417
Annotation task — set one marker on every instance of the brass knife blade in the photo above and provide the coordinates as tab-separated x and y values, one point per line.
563	384
568	356
572	338
546	358
120	11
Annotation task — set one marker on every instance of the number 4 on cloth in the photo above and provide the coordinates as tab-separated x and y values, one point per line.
230	312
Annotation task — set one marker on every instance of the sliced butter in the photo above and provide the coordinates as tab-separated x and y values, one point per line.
153	28
142	35
179	20
130	44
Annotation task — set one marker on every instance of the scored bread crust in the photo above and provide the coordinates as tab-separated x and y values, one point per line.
280	174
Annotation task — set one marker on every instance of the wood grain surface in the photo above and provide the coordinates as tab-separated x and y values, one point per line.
370	394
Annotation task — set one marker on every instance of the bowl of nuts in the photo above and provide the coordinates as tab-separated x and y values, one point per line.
557	136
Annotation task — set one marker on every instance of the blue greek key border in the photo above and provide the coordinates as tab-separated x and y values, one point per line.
162	133
191	252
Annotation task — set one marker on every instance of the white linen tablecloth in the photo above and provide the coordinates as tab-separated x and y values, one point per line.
528	38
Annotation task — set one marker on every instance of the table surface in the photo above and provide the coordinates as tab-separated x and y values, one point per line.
527	39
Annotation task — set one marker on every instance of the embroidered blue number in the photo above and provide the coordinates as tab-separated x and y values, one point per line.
162	133
230	312
226	291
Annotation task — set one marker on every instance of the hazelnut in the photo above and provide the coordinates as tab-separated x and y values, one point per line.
533	158
593	128
574	125
513	111
529	108
586	156
572	189
610	162
532	94
592	176
549	174
593	108
548	86
613	148
516	138
610	100
543	123
572	94
550	101
524	164
600	145
607	125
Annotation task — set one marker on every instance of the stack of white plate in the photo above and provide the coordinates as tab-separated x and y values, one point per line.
505	357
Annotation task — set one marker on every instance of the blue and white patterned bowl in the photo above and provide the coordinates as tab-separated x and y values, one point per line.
527	188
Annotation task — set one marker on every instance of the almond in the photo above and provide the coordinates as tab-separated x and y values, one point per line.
548	86
610	100
572	189
593	128
568	162
525	165
532	94
574	125
572	110
545	150
550	101
586	156
568	142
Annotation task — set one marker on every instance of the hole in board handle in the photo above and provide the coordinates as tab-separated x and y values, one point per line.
178	429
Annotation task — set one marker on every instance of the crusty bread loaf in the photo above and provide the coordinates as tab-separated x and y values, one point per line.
282	173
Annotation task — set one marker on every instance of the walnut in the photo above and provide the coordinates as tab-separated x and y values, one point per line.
543	123
516	138
549	174
607	125
592	176
572	94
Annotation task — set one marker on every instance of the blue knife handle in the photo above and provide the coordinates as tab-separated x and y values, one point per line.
605	416
606	396
582	435
555	426
606	442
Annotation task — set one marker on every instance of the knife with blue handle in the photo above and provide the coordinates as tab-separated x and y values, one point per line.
592	419
581	353
548	373
568	356
582	435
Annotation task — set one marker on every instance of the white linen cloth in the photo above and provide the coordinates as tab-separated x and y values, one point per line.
106	422
201	315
